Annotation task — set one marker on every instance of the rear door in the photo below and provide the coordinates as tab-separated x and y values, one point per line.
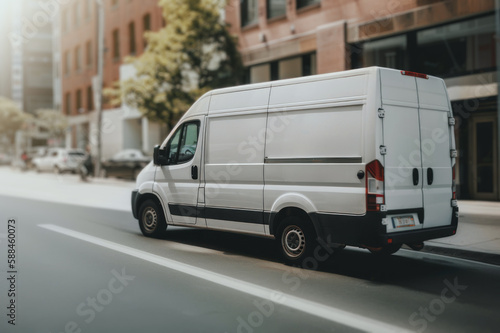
401	128
436	143
417	136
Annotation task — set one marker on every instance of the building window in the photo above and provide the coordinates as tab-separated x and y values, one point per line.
146	26
306	3
131	36
276	8
78	13
78	59
78	100
67	104
88	53
66	20
90	99
67	62
249	11
116	45
88	9
65	26
284	69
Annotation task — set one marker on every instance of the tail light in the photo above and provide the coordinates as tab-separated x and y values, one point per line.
414	74
374	186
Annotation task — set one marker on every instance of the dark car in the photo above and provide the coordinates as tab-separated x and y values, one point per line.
126	164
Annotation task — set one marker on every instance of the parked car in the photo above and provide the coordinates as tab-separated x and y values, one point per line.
126	164
33	153
5	159
59	160
361	158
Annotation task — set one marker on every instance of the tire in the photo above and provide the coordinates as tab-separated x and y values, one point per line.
297	241
57	170
151	219
386	250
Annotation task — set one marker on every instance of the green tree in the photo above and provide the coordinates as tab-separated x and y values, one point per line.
192	54
53	121
12	118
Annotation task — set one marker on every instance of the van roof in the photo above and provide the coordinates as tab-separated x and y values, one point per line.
302	79
374	70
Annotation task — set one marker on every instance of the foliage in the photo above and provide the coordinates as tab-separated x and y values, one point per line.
192	54
12	118
53	121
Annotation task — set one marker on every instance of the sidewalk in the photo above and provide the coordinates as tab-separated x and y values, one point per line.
478	234
478	228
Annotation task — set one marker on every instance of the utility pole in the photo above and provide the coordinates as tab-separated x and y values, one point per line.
99	83
497	45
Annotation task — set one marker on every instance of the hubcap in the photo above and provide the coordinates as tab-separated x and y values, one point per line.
149	219
293	241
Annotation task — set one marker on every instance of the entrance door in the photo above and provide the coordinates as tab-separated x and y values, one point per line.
484	159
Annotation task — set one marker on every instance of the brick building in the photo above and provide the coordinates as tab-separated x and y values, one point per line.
452	39
76	57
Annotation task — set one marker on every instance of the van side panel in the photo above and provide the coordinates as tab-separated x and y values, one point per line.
234	155
314	145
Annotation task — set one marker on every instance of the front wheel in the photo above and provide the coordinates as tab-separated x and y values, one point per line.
151	220
297	241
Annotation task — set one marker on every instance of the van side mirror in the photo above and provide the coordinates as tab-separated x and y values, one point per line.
159	156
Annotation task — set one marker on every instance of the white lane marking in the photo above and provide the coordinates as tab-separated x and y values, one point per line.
316	309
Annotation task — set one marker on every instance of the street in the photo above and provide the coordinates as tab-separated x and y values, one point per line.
83	266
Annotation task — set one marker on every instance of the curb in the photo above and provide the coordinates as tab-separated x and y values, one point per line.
487	258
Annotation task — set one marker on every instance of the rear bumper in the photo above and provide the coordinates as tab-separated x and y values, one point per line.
367	230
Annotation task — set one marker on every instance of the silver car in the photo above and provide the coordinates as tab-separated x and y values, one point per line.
59	160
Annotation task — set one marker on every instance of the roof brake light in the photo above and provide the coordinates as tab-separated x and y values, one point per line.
415	74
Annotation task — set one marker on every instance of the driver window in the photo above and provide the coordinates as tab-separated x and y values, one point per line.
182	146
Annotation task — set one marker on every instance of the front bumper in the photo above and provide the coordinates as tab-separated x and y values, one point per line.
134	199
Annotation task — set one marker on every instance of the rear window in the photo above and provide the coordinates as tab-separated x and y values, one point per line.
76	153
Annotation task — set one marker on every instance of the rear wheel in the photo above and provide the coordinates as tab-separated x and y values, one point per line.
297	241
151	219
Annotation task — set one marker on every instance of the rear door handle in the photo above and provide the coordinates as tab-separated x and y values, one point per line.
415	176
430	176
194	172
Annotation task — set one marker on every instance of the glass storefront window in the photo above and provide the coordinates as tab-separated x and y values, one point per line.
387	52
457	48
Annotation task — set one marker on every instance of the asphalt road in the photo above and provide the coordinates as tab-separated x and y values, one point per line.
84	269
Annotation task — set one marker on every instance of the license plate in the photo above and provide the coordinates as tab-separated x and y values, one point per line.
403	221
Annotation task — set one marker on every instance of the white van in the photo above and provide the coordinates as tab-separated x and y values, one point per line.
362	158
